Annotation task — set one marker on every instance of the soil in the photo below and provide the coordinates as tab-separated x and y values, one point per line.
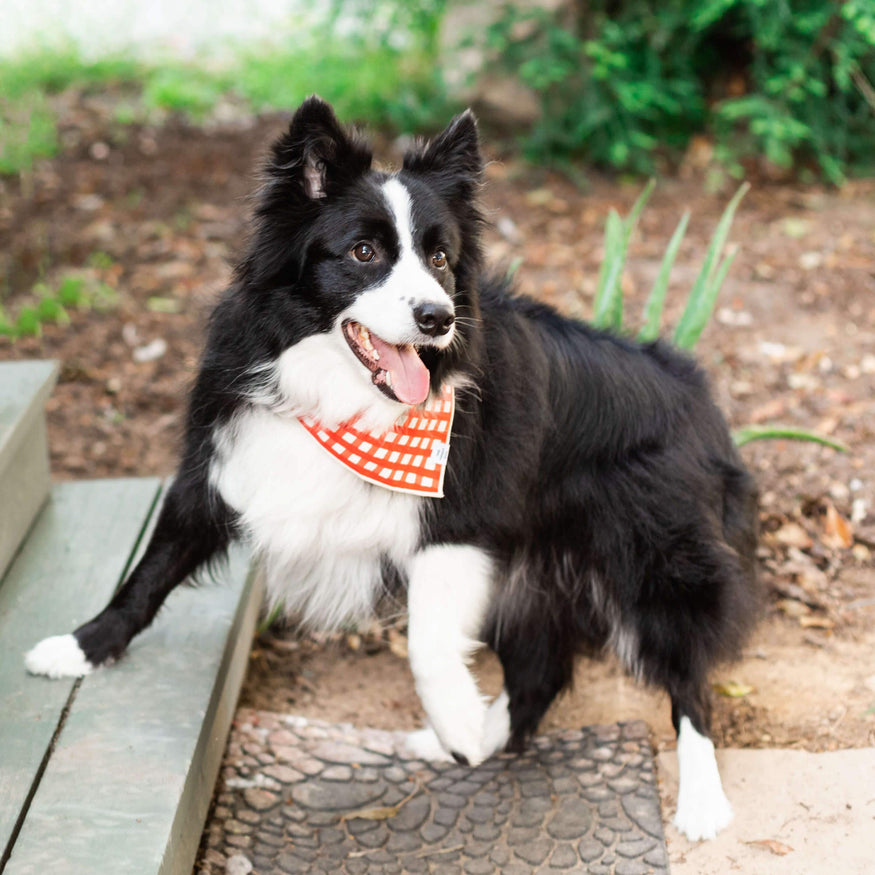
157	213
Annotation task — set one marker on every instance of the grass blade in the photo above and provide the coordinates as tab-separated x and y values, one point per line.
656	299
704	292
632	219
609	296
513	267
775	432
274	614
605	306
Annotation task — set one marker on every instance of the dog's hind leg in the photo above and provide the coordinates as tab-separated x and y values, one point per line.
186	535
448	597
703	809
536	669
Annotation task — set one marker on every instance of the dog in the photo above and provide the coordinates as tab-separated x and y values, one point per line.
585	496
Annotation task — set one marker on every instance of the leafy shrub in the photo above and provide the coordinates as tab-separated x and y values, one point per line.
623	82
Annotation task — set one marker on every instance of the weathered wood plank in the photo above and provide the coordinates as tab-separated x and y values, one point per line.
24	457
66	571
129	783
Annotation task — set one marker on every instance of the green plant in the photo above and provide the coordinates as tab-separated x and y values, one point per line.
626	83
27	132
51	305
27	121
608	303
611	90
187	89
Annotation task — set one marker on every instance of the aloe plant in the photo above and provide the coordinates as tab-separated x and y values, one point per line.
608	304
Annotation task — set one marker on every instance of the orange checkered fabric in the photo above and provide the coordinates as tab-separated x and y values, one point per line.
411	457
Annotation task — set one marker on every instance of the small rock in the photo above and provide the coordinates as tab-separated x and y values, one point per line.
260	800
508	229
99	151
284	774
129	334
151	351
734	318
810	260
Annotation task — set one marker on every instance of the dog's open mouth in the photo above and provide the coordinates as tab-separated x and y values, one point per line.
396	370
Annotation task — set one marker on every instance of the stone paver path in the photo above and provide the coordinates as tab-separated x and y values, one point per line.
303	796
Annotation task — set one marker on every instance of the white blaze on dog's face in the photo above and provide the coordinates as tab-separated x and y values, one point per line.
397	283
407	309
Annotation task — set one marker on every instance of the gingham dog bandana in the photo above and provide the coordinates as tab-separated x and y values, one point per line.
411	457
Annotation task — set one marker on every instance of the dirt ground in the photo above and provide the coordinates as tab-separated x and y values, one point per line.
157	214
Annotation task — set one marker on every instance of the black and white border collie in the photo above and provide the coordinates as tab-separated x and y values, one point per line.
593	496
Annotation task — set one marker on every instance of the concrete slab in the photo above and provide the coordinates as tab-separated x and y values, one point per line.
797	813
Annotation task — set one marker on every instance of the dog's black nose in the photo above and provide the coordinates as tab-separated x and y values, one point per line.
433	319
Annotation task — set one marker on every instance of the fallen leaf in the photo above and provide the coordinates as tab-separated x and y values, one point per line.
839	532
795	227
776	847
733	689
397	643
809	622
158	304
773	409
383	813
538	197
861	552
793	608
793	535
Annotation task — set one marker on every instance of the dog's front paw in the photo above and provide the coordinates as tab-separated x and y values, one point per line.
58	657
457	713
703	815
425	745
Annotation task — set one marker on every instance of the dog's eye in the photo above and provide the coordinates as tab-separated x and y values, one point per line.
364	252
439	259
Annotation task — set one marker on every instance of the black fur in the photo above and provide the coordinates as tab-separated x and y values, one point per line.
597	473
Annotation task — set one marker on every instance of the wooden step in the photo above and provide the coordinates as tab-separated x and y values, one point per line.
24	456
114	773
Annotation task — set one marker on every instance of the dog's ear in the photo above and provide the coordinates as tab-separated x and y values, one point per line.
452	156
317	153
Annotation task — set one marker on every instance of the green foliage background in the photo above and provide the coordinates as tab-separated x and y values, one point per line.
625	82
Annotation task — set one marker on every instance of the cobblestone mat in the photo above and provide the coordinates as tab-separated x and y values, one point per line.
303	796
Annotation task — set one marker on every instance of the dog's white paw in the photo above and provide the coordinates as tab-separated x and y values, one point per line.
703	809
457	713
703	817
58	657
425	745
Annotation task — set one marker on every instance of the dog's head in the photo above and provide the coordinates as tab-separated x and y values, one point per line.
368	277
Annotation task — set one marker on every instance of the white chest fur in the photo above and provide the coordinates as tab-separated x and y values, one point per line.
320	529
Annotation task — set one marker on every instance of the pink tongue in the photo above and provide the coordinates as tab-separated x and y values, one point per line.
410	377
